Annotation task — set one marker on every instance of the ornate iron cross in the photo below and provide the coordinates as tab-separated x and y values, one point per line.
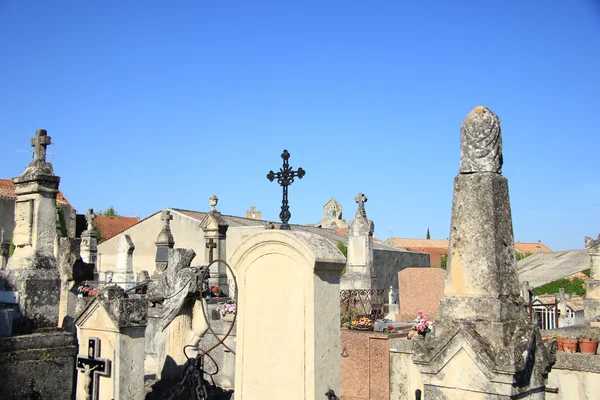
93	367
285	177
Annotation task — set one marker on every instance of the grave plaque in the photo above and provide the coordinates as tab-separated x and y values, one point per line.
23	223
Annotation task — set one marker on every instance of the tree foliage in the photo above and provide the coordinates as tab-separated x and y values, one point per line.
344	249
444	261
109	212
428	235
574	285
521	255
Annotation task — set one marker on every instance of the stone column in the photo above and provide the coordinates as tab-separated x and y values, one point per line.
298	320
592	300
89	242
32	268
164	242
484	342
110	330
359	266
215	235
4	247
124	275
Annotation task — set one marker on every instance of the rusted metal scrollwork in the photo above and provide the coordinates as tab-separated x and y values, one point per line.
363	302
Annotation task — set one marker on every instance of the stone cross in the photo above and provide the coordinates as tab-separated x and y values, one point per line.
285	177
89	218
361	199
211	245
166	218
39	143
93	367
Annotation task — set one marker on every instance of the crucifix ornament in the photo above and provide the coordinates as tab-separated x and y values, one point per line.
93	367
211	245
285	177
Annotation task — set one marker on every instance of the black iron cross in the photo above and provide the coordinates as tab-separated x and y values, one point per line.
93	367
285	177
211	245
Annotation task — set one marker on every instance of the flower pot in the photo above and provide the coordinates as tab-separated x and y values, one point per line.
588	346
570	345
228	317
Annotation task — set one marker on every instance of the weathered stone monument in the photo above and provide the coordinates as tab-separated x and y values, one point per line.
484	347
592	299
4	250
288	304
32	268
89	242
215	235
110	331
124	275
164	242
359	270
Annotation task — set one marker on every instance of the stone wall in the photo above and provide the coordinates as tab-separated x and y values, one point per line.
48	358
575	375
387	263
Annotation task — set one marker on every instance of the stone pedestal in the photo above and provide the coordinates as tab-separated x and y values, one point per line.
110	331
360	274
297	318
215	236
124	275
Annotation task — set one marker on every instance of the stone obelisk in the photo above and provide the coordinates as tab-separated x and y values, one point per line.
484	329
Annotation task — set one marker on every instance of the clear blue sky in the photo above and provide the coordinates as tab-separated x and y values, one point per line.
156	104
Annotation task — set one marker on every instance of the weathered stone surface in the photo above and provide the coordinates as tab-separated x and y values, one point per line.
481	259
481	142
592	300
360	273
48	358
6	318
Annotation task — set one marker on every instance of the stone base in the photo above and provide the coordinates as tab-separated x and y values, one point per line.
357	281
39	297
483	359
46	357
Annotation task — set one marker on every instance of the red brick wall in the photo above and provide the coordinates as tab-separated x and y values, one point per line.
420	289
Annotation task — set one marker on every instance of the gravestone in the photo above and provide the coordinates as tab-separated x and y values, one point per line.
124	275
420	289
215	235
164	242
288	324
89	242
359	272
32	268
484	345
117	323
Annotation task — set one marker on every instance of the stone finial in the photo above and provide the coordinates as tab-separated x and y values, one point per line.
166	218
89	218
361	199
39	143
165	237
213	200
481	142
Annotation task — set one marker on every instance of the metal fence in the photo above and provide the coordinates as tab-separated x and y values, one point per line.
355	303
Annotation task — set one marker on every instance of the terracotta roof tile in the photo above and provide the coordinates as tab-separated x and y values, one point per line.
438	247
111	226
7	191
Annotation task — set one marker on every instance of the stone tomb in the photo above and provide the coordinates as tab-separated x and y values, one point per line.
288	326
110	330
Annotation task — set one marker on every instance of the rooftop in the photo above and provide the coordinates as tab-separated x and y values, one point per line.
7	191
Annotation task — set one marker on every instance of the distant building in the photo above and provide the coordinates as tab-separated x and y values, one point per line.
547	311
253	213
438	247
332	216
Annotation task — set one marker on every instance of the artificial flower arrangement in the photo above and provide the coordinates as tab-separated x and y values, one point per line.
362	323
227	308
215	291
86	290
421	327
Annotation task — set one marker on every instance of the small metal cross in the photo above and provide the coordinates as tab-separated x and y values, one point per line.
39	143
285	177
211	245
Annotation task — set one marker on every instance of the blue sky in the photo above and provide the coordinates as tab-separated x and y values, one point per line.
161	104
